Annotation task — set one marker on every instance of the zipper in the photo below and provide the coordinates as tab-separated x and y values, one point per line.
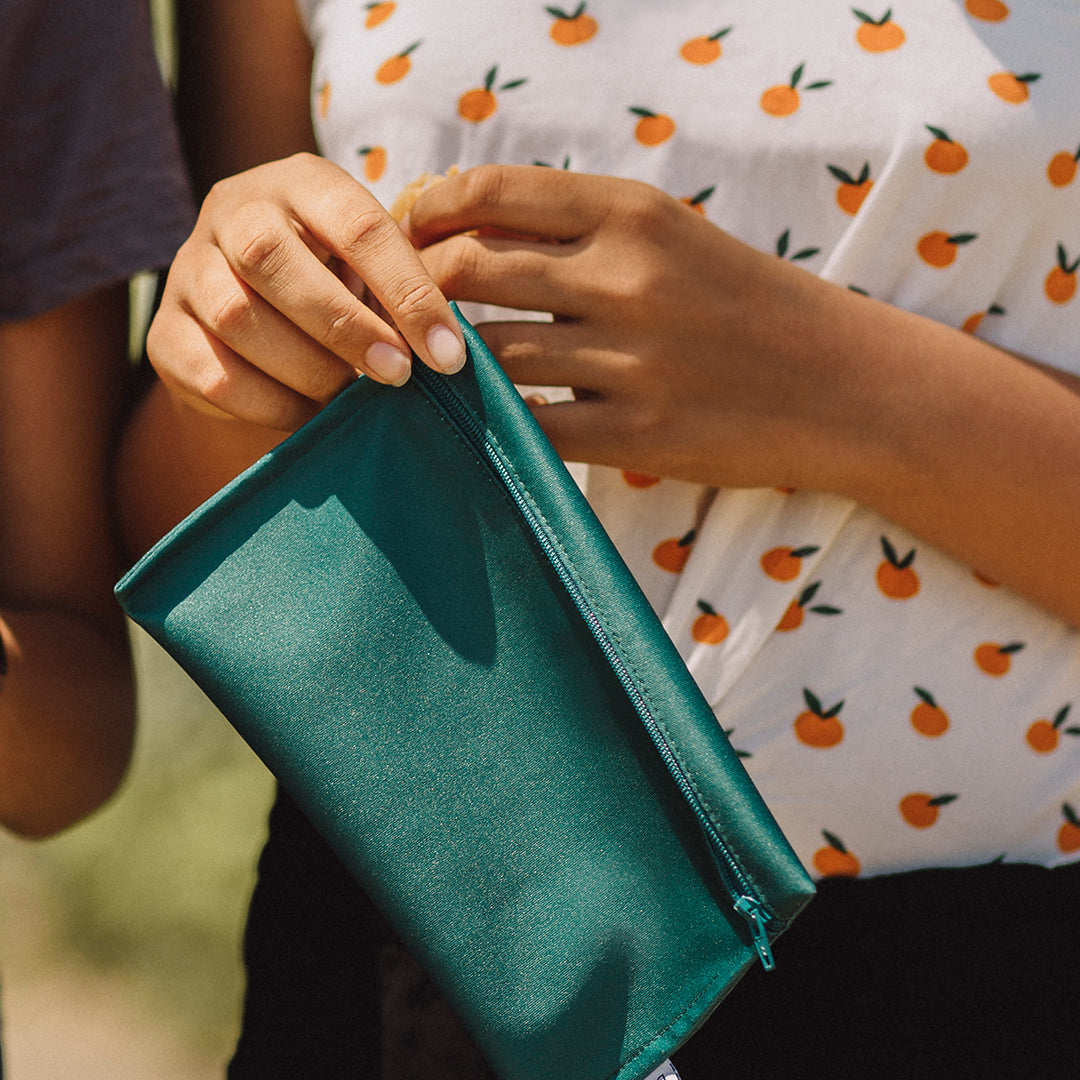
747	904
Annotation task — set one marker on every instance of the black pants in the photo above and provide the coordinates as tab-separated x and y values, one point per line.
939	973
935	974
332	994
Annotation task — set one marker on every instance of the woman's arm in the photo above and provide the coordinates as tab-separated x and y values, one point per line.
262	320
244	68
695	356
66	702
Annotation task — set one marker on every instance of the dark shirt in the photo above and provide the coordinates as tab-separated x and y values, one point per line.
92	188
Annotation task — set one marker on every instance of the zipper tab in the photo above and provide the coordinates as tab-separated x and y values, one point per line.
751	911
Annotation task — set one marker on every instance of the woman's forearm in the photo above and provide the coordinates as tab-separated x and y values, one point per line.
66	718
695	356
968	446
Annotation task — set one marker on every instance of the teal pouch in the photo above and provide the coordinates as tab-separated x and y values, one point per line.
411	614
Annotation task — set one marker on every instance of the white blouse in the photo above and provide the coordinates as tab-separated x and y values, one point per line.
895	709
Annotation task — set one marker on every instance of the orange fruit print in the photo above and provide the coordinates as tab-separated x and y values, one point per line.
834	860
671	555
705	49
1062	168
938	249
944	155
995	659
921	810
895	577
928	717
571	28
878	35
697	202
987	10
783	100
710	627
785	563
397	67
378	13
1012	88
1044	736
323	102
639	479
374	162
852	189
1060	284
652	128
783	245
1068	835
793	617
971	326
478	104
817	726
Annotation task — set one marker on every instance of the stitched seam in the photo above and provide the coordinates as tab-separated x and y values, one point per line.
638	679
687	1007
553	537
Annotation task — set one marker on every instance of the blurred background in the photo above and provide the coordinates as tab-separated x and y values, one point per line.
120	939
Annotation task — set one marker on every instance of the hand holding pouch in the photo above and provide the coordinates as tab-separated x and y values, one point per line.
411	614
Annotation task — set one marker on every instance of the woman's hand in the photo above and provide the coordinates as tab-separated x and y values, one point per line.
694	356
681	343
262	317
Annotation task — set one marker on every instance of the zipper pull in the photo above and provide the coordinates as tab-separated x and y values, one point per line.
752	911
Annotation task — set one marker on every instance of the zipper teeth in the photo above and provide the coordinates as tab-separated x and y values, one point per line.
737	882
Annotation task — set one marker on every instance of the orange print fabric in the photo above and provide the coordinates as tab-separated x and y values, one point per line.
862	670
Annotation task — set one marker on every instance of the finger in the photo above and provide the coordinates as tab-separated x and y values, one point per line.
527	276
209	376
586	431
551	354
349	222
270	256
234	314
522	199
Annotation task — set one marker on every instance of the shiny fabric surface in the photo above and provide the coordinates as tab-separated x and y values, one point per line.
368	607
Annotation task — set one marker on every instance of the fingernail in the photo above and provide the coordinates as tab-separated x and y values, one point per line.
446	349
389	363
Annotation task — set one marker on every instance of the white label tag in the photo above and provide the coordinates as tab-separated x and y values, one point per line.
666	1071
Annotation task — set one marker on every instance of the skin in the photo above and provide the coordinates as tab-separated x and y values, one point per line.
816	387
691	354
66	703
